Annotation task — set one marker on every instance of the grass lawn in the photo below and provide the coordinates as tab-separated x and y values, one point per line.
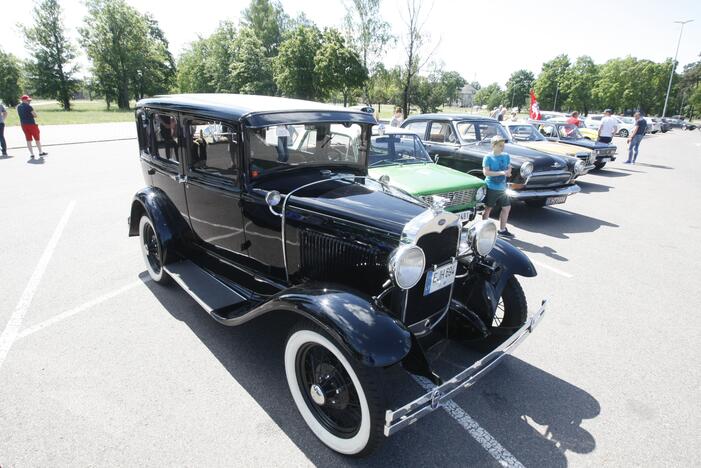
82	112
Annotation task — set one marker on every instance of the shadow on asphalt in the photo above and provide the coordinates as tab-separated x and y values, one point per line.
541	249
656	166
36	161
9	156
590	187
611	173
554	222
533	414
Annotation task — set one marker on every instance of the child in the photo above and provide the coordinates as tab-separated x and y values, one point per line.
497	167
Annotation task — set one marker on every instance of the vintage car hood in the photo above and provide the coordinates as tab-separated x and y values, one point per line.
361	200
426	179
551	147
589	144
520	154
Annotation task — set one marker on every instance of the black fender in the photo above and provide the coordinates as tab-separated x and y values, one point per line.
364	328
511	262
169	224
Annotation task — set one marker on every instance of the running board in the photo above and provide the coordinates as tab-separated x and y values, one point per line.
205	289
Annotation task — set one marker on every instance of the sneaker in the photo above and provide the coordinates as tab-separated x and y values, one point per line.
626	162
31	156
505	233
43	153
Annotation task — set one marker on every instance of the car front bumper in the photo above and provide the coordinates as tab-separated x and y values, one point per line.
398	419
530	194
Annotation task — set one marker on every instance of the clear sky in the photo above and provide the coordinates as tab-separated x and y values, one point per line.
484	40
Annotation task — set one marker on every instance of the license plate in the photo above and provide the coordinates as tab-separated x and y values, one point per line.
605	159
556	200
464	215
440	277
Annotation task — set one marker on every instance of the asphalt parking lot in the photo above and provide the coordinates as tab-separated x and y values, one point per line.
100	367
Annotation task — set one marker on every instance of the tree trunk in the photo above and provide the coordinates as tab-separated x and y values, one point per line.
123	97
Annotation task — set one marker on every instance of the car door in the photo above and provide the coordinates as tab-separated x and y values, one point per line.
213	185
165	157
445	144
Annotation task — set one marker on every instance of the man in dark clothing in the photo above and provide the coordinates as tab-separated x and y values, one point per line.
636	136
29	126
3	116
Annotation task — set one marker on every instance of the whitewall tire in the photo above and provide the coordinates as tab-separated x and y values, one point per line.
152	251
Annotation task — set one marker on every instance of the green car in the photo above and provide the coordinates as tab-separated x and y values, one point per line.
402	160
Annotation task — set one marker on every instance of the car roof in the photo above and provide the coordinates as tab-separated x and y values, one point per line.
253	108
453	117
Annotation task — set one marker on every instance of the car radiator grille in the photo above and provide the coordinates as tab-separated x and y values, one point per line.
458	198
548	179
329	258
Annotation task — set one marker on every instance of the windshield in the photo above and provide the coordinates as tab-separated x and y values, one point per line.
569	132
282	146
397	149
480	131
525	132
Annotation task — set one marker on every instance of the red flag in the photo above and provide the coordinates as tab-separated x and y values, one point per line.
534	110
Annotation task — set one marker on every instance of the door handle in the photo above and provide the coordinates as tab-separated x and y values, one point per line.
151	171
181	179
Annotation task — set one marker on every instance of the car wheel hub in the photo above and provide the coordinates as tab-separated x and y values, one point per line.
317	395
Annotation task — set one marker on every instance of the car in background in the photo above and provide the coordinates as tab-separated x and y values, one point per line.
461	142
526	134
588	133
625	126
653	124
552	115
569	134
593	121
399	158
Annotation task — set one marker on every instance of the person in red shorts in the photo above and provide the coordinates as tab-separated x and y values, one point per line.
29	126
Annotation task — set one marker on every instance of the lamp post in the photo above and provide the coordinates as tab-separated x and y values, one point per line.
674	65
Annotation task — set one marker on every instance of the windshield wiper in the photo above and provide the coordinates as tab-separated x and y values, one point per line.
381	161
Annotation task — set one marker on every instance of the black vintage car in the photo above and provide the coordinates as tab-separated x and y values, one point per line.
260	204
462	141
563	132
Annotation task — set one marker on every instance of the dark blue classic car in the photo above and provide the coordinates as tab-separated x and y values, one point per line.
259	205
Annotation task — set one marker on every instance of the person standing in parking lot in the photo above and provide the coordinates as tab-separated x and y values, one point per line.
29	126
636	136
497	167
574	119
608	127
397	118
3	116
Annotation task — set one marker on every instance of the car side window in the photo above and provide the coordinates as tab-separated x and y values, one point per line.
213	148
548	131
166	137
442	132
418	128
143	131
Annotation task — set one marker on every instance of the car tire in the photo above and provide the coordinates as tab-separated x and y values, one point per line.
537	203
152	251
313	360
623	133
599	165
511	314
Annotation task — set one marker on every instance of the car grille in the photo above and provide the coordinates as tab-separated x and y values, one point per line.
548	179
329	258
439	248
458	198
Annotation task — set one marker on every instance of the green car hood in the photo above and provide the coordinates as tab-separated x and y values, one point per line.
426	179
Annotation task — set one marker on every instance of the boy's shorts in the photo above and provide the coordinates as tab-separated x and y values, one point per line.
497	198
31	131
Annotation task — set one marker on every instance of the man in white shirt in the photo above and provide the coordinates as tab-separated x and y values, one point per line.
608	127
282	133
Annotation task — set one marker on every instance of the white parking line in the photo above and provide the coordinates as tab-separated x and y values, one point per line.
9	334
81	308
553	269
484	438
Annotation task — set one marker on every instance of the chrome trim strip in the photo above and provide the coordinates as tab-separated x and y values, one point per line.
556	192
398	419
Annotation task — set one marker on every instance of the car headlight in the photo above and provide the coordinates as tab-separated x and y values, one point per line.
406	265
464	244
482	236
526	170
481	194
579	167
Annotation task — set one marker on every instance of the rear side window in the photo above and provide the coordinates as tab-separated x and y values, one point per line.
213	148
418	128
166	137
442	132
143	131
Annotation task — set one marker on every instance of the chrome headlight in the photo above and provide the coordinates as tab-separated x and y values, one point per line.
464	244
526	169
406	265
482	236
579	167
481	194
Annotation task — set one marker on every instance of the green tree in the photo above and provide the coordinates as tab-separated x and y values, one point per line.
578	83
385	86
368	34
338	67
192	75
491	96
609	88
50	70
476	85
267	21
10	90
251	70
127	50
294	67
548	85
518	87
452	82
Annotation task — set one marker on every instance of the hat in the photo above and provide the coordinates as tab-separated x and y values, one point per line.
26	97
496	139
608	111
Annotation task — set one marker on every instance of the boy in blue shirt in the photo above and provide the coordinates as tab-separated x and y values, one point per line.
497	167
